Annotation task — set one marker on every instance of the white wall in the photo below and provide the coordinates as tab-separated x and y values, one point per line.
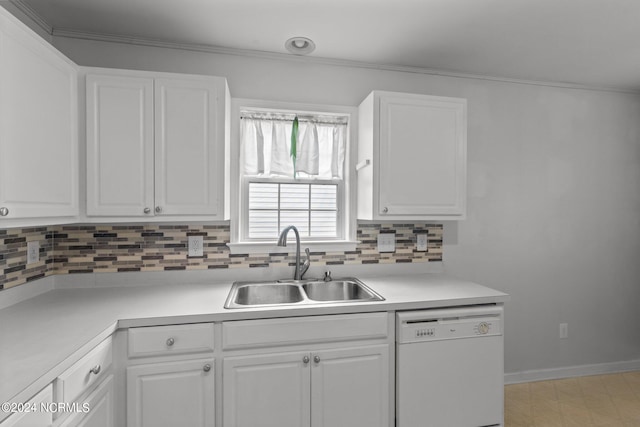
554	206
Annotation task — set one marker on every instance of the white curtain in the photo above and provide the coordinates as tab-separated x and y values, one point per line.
266	147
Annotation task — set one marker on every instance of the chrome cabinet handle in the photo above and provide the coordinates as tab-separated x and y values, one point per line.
4	211
170	342
147	210
316	359
158	209
385	209
95	370
305	360
206	368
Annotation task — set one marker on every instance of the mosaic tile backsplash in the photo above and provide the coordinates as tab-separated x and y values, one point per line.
72	249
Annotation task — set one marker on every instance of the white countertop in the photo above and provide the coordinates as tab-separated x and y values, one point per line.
42	336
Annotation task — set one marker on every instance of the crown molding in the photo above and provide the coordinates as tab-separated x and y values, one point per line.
32	15
142	41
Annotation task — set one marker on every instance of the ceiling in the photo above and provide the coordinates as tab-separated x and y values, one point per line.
584	42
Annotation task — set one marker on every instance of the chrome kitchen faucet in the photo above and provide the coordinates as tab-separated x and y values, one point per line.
282	241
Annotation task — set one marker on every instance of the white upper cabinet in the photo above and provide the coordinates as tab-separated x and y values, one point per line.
412	157
38	127
119	145
189	122
156	145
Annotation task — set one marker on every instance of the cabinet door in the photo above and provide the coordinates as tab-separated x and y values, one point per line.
171	394
268	391
350	387
422	156
100	408
38	126
119	146
189	160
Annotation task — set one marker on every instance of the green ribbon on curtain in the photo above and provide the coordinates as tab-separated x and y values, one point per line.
294	144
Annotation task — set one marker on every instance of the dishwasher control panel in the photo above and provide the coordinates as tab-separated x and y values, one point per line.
433	325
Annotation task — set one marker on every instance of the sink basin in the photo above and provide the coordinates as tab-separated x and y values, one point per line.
311	291
337	290
267	293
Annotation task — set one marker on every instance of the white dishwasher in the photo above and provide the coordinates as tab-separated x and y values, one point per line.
450	367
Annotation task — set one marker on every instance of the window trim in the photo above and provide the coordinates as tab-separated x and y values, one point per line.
347	242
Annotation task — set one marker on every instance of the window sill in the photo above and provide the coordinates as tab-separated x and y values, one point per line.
271	247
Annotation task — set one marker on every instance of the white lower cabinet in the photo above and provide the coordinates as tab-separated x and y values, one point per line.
170	377
86	389
267	390
35	417
350	387
171	394
323	381
85	374
99	407
324	388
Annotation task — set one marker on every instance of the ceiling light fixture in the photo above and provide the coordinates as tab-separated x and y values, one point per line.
300	45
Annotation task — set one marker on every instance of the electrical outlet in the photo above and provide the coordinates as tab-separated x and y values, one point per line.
564	330
33	252
387	242
422	242
195	246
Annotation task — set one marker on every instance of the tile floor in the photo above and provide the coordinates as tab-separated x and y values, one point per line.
594	401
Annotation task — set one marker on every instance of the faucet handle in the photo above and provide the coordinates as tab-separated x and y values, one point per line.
307	262
327	276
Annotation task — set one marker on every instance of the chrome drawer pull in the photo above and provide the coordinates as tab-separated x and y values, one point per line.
206	368
170	342
95	370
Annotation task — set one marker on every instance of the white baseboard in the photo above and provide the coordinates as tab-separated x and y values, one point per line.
571	371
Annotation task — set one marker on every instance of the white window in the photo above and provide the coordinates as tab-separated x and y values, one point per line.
276	203
307	187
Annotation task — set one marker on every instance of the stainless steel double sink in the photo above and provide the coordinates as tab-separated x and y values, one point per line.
299	292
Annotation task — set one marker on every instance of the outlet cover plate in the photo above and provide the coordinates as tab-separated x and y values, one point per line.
33	252
195	246
387	242
564	330
422	244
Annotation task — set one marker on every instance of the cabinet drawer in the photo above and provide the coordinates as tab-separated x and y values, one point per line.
33	418
98	406
85	372
172	339
302	330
